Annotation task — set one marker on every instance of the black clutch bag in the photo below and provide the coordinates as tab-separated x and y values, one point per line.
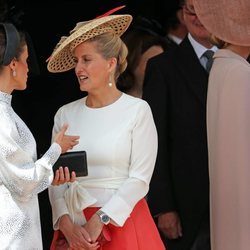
75	161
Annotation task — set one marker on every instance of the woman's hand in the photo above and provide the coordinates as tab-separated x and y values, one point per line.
62	175
77	236
78	239
94	227
66	142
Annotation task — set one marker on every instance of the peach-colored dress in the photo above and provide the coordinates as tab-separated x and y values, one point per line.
228	121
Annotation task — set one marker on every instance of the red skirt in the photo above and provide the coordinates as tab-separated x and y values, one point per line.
138	233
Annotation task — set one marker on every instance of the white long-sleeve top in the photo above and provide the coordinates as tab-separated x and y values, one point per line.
22	177
121	144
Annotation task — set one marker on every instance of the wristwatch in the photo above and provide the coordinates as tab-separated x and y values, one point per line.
103	217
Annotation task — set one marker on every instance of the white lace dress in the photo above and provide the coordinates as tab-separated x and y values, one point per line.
22	177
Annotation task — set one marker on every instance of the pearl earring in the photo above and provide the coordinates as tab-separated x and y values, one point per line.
14	73
110	81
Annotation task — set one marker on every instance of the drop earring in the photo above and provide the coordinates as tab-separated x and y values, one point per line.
110	82
14	73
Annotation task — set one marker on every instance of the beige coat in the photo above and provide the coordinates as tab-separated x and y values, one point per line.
228	121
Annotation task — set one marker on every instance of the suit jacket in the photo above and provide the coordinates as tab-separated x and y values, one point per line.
176	88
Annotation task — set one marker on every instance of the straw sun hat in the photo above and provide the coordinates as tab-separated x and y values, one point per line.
229	20
62	59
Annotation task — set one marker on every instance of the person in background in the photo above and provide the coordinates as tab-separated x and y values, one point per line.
144	41
175	87
22	175
119	135
228	121
176	28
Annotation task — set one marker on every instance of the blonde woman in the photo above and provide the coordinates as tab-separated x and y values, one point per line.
118	133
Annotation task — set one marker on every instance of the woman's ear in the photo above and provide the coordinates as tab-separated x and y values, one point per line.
12	67
12	64
112	64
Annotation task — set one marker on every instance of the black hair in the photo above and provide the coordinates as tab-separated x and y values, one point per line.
11	11
12	43
172	21
12	40
148	25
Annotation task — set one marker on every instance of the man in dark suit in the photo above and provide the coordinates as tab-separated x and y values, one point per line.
175	26
175	86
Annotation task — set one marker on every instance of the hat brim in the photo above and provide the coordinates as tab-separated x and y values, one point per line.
229	20
62	59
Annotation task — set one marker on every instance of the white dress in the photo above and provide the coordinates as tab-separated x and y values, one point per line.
121	144
22	177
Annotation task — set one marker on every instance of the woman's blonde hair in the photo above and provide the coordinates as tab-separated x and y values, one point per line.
218	42
110	45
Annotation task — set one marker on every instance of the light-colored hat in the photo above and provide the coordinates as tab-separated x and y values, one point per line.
62	59
229	20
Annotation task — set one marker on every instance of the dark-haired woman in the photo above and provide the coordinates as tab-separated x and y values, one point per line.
22	176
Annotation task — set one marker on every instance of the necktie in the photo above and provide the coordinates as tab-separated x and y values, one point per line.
209	56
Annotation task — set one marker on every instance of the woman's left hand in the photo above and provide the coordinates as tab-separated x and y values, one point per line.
62	175
94	227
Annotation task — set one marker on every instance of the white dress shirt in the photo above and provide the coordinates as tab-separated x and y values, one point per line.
200	50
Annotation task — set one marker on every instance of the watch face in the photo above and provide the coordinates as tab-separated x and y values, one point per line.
105	218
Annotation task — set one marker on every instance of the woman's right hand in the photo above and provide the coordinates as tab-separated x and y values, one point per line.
78	239
66	142
77	236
